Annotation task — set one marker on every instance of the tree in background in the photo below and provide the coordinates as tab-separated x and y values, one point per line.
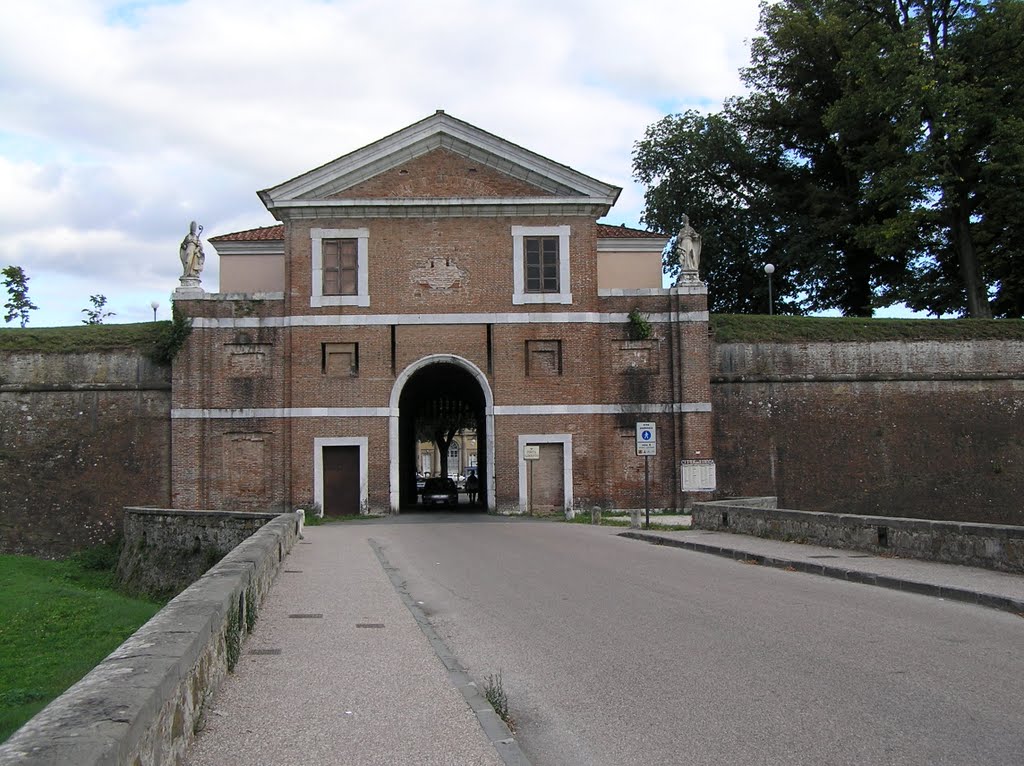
18	304
709	168
96	314
877	159
439	420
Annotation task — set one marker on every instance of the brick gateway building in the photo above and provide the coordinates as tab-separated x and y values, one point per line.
440	266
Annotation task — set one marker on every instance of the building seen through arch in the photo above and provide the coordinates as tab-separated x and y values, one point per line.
440	286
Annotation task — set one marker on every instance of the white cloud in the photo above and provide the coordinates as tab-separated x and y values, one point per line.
121	122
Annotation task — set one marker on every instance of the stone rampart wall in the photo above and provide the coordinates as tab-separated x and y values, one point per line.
81	437
990	546
916	429
911	429
142	704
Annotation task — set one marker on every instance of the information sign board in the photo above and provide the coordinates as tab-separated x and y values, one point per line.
698	475
646	439
531	452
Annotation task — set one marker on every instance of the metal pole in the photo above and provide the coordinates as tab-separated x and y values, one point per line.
770	306
647	492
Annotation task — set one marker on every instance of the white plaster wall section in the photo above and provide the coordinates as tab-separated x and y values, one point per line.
362	296
362	442
566	441
440	273
396	395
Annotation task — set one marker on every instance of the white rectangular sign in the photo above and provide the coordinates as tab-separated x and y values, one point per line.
646	439
531	452
698	475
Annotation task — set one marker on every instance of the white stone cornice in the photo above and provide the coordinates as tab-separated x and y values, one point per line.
631	245
504	410
374	320
442	207
250	247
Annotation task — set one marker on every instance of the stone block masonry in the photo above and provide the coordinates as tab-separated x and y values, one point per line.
142	704
991	546
166	550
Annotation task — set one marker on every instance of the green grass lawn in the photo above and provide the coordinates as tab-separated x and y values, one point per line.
58	619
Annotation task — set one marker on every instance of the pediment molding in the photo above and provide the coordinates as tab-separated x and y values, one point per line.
440	130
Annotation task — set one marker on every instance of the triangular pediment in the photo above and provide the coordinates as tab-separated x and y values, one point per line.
443	158
443	173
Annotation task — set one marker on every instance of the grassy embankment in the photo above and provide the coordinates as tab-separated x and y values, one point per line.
727	328
744	328
58	619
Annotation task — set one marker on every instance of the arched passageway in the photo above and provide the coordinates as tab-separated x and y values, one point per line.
436	398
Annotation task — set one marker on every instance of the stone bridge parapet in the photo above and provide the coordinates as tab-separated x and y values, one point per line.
991	546
143	703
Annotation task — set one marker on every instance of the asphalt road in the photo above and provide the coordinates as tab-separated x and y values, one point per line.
614	651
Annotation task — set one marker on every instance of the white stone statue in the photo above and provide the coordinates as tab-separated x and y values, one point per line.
688	251
191	251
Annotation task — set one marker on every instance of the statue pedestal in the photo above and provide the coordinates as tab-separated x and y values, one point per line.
191	287
687	277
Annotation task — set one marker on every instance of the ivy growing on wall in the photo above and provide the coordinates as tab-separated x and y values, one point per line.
172	338
639	327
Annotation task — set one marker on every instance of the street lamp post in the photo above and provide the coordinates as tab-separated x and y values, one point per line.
769	269
154	305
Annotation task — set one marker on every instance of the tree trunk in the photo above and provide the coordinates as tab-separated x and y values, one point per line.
978	306
443	441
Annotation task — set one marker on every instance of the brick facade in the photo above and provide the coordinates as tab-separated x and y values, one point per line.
437	208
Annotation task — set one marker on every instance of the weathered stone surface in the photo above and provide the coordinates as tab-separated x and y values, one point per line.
992	546
142	703
919	429
81	436
165	550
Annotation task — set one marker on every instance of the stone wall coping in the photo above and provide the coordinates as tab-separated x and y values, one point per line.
179	512
142	703
893	522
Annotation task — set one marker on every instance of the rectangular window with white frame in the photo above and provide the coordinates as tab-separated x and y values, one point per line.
339	267
540	264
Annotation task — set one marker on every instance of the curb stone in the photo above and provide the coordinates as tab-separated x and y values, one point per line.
990	600
493	727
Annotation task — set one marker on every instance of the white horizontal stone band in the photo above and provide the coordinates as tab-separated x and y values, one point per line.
601	409
384	412
364	320
283	412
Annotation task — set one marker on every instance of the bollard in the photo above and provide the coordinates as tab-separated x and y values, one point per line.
634	519
595	515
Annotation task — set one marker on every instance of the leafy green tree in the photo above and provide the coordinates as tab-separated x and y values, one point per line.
708	168
96	314
879	161
18	304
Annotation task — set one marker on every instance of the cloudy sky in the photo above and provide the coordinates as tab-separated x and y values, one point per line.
120	122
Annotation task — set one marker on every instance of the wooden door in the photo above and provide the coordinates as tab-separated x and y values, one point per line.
341	481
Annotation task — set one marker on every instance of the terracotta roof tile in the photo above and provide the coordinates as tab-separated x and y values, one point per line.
262	234
606	231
